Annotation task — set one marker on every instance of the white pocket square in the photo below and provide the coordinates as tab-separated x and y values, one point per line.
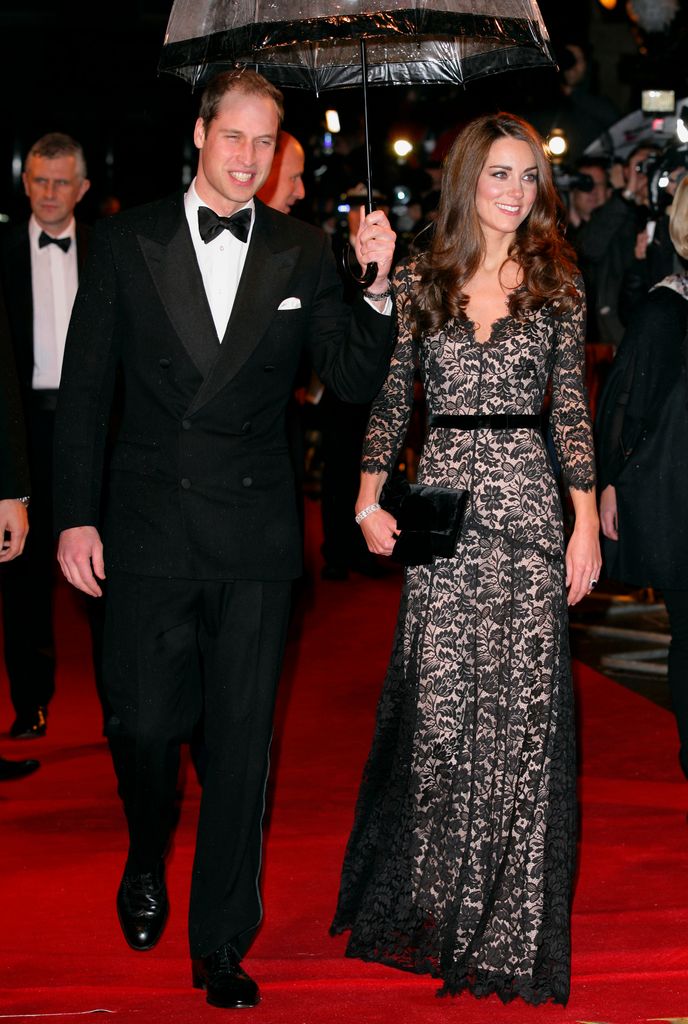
291	303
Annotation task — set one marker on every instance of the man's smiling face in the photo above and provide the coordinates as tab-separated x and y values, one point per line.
235	151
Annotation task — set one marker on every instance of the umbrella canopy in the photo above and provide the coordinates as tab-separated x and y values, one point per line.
314	44
332	44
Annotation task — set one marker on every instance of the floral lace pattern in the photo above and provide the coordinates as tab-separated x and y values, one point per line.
461	858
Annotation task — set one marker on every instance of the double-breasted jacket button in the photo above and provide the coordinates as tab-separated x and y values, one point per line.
186	424
165	363
247	481
185	482
246	427
268	368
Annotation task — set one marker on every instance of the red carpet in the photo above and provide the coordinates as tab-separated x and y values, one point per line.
63	845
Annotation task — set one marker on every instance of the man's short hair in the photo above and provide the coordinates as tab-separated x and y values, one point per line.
240	80
639	147
600	162
56	144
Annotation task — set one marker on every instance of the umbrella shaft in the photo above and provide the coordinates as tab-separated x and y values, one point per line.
364	77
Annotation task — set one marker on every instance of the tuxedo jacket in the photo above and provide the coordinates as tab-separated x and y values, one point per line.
15	273
200	483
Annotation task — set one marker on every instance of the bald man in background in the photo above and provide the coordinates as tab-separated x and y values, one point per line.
284	187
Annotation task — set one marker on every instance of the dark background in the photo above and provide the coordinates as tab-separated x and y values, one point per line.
91	71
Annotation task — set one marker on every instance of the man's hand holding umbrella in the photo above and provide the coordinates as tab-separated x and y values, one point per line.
374	243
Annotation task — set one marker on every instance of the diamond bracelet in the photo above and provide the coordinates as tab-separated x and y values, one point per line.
367	511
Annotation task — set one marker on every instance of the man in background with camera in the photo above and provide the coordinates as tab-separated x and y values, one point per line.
589	190
654	255
606	244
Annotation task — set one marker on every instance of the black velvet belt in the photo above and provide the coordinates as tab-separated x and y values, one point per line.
485	421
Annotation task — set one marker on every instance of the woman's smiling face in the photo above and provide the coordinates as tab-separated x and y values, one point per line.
507	186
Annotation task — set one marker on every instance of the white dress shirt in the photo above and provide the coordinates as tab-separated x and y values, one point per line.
54	283
221	261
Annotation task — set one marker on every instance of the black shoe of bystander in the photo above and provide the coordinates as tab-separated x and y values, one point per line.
31	726
16	769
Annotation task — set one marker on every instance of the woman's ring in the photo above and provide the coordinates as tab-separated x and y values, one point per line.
593	583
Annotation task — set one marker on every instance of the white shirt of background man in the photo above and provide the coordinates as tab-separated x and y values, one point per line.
54	283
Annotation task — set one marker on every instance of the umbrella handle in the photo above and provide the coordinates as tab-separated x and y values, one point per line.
349	260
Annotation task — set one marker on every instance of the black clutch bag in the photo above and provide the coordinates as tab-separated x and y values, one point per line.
429	520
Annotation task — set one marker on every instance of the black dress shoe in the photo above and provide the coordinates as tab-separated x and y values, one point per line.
30	727
16	769
142	907
227	984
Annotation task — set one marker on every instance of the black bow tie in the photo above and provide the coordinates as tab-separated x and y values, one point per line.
46	239
211	225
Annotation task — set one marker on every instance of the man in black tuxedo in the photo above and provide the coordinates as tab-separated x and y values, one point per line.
39	271
14	487
205	302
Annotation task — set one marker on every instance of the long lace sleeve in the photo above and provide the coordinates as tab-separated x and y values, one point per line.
569	416
391	410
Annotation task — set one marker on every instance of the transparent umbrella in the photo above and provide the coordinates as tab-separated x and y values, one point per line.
332	44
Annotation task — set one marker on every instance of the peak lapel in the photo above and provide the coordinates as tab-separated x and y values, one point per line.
262	285
172	263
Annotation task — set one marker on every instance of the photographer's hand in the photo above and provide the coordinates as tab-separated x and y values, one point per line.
635	186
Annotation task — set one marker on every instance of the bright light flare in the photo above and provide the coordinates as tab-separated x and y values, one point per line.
682	128
402	147
332	121
557	144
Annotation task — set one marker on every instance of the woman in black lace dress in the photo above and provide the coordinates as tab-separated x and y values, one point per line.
461	858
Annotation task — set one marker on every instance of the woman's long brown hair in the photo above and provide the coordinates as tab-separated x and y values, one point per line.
458	248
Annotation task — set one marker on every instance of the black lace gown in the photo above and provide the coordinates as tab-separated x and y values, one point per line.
461	858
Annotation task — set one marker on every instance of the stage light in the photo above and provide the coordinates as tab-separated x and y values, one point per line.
609	5
332	121
402	148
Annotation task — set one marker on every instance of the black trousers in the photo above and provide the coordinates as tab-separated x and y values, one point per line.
176	651
28	582
677	607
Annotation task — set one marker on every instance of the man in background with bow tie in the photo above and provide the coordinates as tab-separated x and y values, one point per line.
39	272
205	302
